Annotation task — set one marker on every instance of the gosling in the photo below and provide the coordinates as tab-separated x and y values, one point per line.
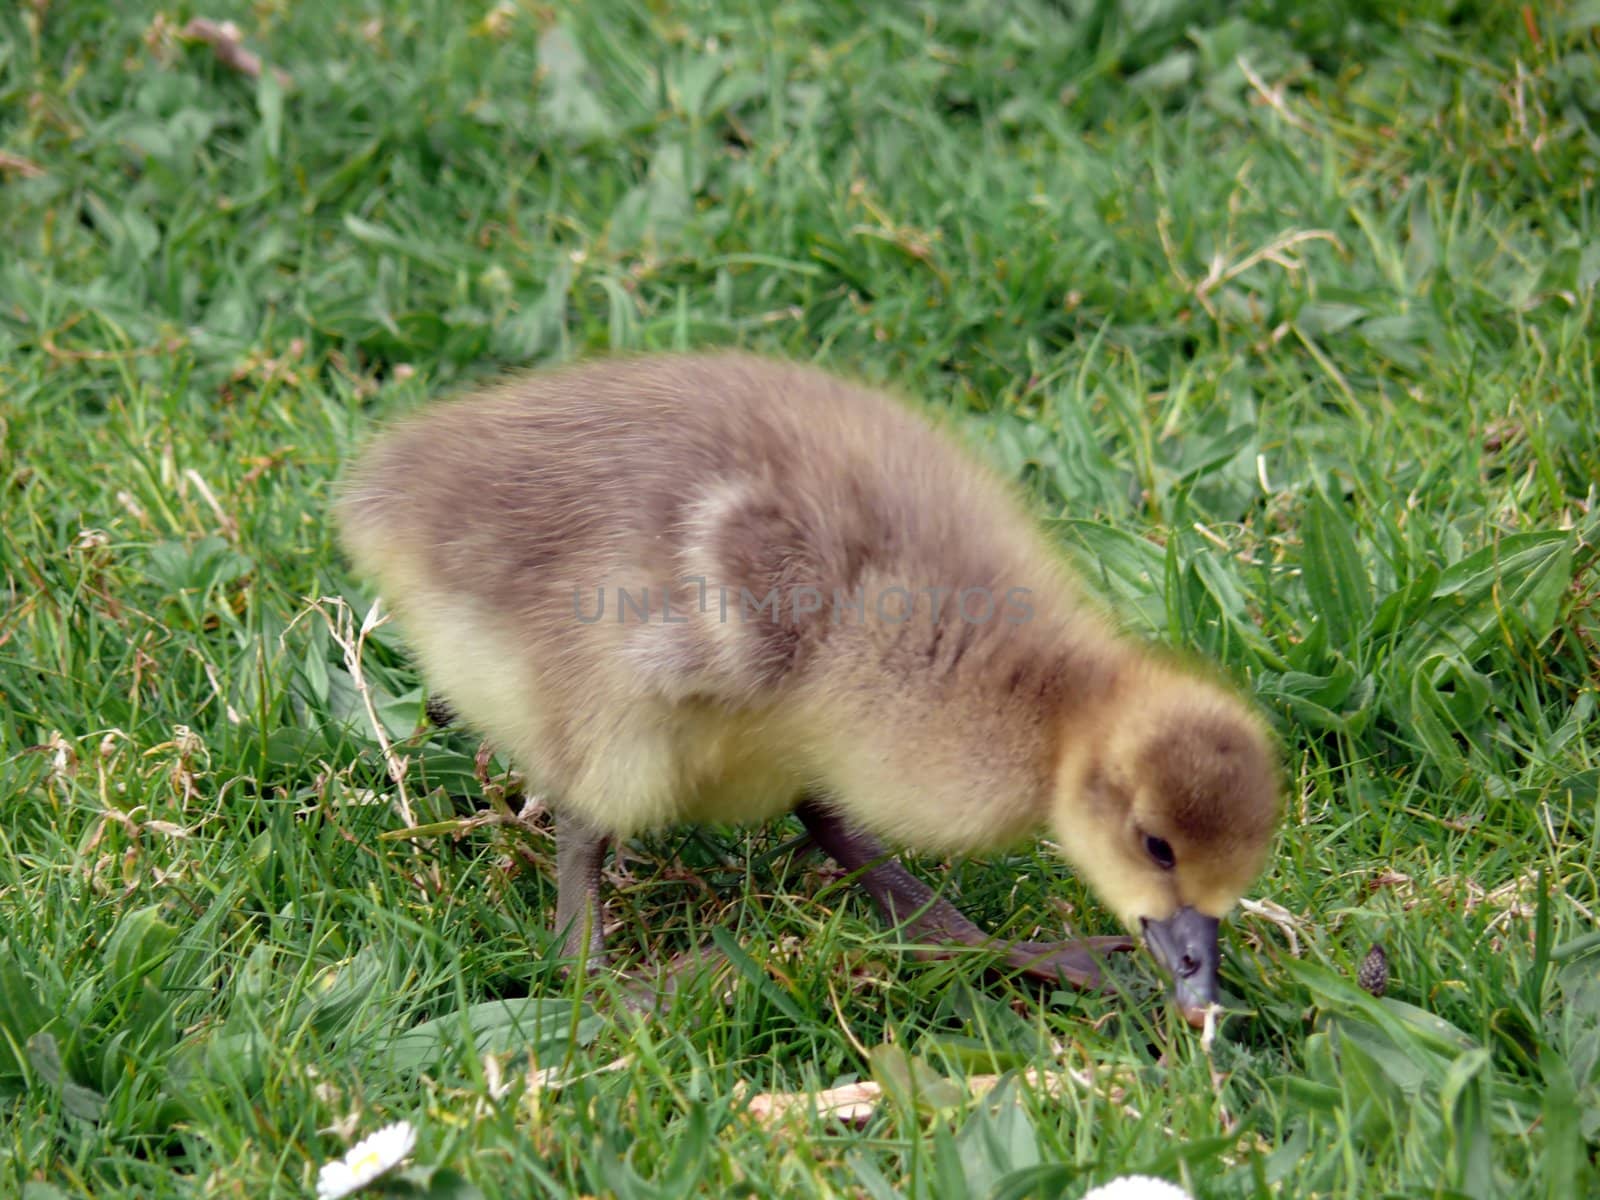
718	588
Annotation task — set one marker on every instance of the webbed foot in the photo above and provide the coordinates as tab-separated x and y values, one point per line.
1076	962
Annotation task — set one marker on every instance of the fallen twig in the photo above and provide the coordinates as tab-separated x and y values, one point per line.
17	165
227	43
352	643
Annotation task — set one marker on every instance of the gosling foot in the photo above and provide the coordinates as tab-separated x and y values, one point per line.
913	907
1078	963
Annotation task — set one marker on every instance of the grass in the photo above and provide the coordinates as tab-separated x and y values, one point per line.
1286	317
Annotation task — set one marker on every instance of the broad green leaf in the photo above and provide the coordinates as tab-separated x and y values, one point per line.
1423	721
872	1180
1127	570
1401	607
569	102
1201	1153
1305	1095
22	1013
240	1059
44	1056
997	1139
911	1082
1280	1164
1072	468
1368	1080
1402	1022
974	1054
1465	1101
1339	701
1030	1183
1335	577
1517	582
539	324
269	104
1576	948
949	1175
1564	1153
1216	452
1168	75
1321	1065
1400	1066
338	992
543	1026
1318	319
138	945
184	567
692	1146
1222	585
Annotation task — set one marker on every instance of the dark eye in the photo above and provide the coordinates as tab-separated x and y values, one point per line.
1160	851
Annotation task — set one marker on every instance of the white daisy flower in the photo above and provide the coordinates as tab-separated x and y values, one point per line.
366	1160
1137	1187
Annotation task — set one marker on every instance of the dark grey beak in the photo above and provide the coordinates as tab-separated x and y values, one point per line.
1185	944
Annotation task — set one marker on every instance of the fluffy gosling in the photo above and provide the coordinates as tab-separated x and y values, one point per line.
720	588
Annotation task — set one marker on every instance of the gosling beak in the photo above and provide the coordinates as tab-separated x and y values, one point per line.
1185	944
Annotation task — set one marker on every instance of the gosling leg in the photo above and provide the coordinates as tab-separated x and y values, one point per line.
580	853
908	903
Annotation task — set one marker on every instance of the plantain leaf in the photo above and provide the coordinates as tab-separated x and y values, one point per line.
542	1025
22	1014
1563	1144
1464	1099
139	944
1516	584
911	1082
1335	577
44	1056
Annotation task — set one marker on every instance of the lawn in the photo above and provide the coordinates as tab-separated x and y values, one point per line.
1285	315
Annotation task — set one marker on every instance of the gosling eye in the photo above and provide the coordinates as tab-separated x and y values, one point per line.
1160	852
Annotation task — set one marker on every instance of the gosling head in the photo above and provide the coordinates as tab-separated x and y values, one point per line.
1166	802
